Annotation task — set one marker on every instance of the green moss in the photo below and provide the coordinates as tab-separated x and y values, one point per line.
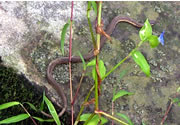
15	87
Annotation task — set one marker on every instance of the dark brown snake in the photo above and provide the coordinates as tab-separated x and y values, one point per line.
77	59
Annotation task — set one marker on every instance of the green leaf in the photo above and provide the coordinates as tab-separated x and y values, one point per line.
146	31
153	40
178	103
32	106
52	110
14	119
143	123
175	100
120	94
84	63
141	61
43	120
94	120
178	90
102	68
126	118
94	5
63	34
42	103
92	63
9	104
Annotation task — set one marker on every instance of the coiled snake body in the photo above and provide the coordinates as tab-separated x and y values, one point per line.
87	57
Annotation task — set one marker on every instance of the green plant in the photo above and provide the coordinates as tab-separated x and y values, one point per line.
98	74
26	115
99	70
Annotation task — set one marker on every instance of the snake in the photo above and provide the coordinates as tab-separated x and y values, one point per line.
76	59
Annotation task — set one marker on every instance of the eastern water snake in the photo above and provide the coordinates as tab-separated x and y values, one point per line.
77	59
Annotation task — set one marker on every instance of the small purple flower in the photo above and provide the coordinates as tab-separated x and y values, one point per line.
161	38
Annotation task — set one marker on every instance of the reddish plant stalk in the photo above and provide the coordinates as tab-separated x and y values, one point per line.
77	91
167	111
70	53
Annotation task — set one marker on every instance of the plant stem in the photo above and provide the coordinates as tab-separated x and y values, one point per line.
28	114
110	116
82	107
70	53
165	116
117	65
99	24
96	88
89	23
92	115
97	56
79	85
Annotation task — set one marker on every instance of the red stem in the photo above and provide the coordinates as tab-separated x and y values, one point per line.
77	91
70	38
167	111
70	53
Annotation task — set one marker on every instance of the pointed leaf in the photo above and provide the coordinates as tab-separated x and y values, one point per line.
43	120
126	118
94	120
178	103
141	61
9	104
52	110
94	5
153	41
15	119
120	94
92	63
102	68
146	31
32	106
178	90
175	100
42	103
63	34
84	63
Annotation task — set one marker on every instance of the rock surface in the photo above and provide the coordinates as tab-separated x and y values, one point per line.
29	40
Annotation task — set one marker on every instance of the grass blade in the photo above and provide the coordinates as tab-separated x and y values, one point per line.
43	120
15	119
120	94
52	110
63	34
126	118
42	103
32	106
9	104
94	5
84	63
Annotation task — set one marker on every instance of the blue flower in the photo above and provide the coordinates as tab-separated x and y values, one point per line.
161	38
